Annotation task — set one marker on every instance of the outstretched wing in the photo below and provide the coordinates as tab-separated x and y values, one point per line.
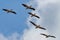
52	36
43	34
30	13
37	16
28	7
9	11
32	8
33	23
42	28
33	15
24	5
5	9
13	12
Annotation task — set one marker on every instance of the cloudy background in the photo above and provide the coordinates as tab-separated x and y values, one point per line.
17	27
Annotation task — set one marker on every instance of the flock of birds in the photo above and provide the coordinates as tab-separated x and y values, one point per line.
30	13
37	26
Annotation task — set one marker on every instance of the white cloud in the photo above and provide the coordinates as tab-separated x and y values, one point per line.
14	36
2	37
33	34
47	10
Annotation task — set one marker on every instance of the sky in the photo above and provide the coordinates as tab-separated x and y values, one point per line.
17	27
10	23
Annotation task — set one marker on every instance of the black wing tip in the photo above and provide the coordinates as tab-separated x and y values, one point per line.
44	29
42	33
30	21
3	9
53	36
34	9
38	17
29	12
23	4
14	12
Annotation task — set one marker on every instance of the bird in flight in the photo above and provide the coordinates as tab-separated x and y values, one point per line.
33	15
28	7
47	35
9	11
37	26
